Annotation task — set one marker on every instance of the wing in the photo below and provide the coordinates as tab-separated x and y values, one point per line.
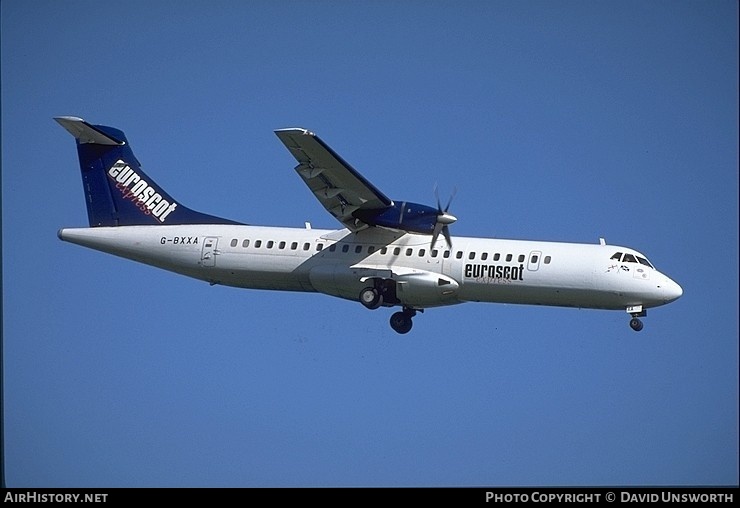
337	185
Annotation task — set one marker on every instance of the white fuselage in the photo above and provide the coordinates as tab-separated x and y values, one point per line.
339	263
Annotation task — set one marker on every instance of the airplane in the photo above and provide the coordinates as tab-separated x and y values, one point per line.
387	254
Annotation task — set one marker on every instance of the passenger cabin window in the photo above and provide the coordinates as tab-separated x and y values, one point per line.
332	247
257	244
471	255
396	251
535	258
245	243
345	248
294	246
270	244
371	249
509	257
496	256
446	255
435	253
281	245
521	258
409	251
484	256
459	254
421	253
358	249
234	242
547	260
384	251
319	247
306	246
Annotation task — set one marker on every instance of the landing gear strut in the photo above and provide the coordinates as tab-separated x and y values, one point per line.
401	321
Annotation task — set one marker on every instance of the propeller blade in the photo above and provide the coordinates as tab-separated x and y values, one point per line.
444	219
436	194
446	232
454	191
438	227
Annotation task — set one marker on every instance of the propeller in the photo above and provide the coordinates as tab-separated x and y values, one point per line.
444	219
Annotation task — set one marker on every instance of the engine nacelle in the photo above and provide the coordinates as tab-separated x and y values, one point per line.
422	289
406	216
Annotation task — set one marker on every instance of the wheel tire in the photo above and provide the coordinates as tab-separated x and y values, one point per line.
401	322
371	298
636	324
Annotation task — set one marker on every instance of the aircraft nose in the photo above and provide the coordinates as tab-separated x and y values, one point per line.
671	290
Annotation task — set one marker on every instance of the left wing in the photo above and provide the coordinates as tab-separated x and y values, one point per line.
338	186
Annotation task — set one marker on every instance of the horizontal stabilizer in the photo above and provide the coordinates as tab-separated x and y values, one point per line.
86	133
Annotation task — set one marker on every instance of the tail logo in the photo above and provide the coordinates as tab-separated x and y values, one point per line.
137	190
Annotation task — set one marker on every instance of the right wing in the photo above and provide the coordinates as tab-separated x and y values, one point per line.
336	184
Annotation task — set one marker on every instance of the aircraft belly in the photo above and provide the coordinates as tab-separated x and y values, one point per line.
256	271
561	296
338	280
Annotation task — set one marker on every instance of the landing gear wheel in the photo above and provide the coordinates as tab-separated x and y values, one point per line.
401	322
636	324
371	298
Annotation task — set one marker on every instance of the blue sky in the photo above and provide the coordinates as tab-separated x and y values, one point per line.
566	120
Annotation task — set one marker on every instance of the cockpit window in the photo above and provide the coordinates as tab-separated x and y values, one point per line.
645	262
630	258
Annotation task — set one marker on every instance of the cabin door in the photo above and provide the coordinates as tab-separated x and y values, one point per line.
209	252
534	261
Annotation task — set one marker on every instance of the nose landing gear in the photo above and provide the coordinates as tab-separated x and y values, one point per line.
636	324
636	311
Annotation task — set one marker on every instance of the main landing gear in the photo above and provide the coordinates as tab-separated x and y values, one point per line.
384	293
401	321
371	298
636	311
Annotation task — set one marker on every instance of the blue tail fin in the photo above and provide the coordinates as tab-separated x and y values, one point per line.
117	191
